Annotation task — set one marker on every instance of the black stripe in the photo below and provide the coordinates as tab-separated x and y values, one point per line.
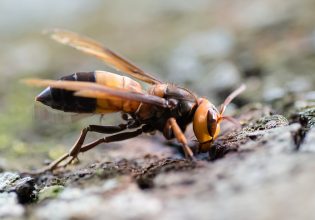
70	103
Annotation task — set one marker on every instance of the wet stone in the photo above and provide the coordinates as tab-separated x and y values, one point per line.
7	180
24	187
25	190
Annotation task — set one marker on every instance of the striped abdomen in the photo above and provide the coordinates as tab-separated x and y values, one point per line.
64	100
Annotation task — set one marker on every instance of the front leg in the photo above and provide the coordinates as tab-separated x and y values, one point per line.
180	137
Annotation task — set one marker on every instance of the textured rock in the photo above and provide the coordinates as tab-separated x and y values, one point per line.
263	170
24	187
131	203
7	179
9	206
308	144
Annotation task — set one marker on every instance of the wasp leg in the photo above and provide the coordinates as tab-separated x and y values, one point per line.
107	129
83	148
55	164
50	167
168	131
113	138
181	138
94	128
74	151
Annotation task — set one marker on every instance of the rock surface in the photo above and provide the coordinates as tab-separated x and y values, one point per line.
258	171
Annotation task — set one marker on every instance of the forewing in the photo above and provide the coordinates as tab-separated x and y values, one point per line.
96	49
93	90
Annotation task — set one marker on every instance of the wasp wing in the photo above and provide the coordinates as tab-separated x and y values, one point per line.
96	49
93	90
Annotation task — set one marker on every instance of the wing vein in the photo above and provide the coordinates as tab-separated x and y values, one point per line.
96	49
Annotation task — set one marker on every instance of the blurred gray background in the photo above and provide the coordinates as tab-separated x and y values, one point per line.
209	46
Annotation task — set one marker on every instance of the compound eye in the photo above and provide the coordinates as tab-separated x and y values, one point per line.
212	123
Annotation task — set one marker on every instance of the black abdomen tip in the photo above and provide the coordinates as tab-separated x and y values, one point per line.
64	100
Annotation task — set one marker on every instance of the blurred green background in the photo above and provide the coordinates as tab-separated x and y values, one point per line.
210	46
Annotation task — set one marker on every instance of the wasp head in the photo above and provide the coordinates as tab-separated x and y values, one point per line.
207	119
206	124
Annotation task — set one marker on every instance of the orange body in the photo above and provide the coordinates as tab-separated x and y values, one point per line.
118	82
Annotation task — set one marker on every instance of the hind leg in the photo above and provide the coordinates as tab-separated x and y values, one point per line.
75	150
